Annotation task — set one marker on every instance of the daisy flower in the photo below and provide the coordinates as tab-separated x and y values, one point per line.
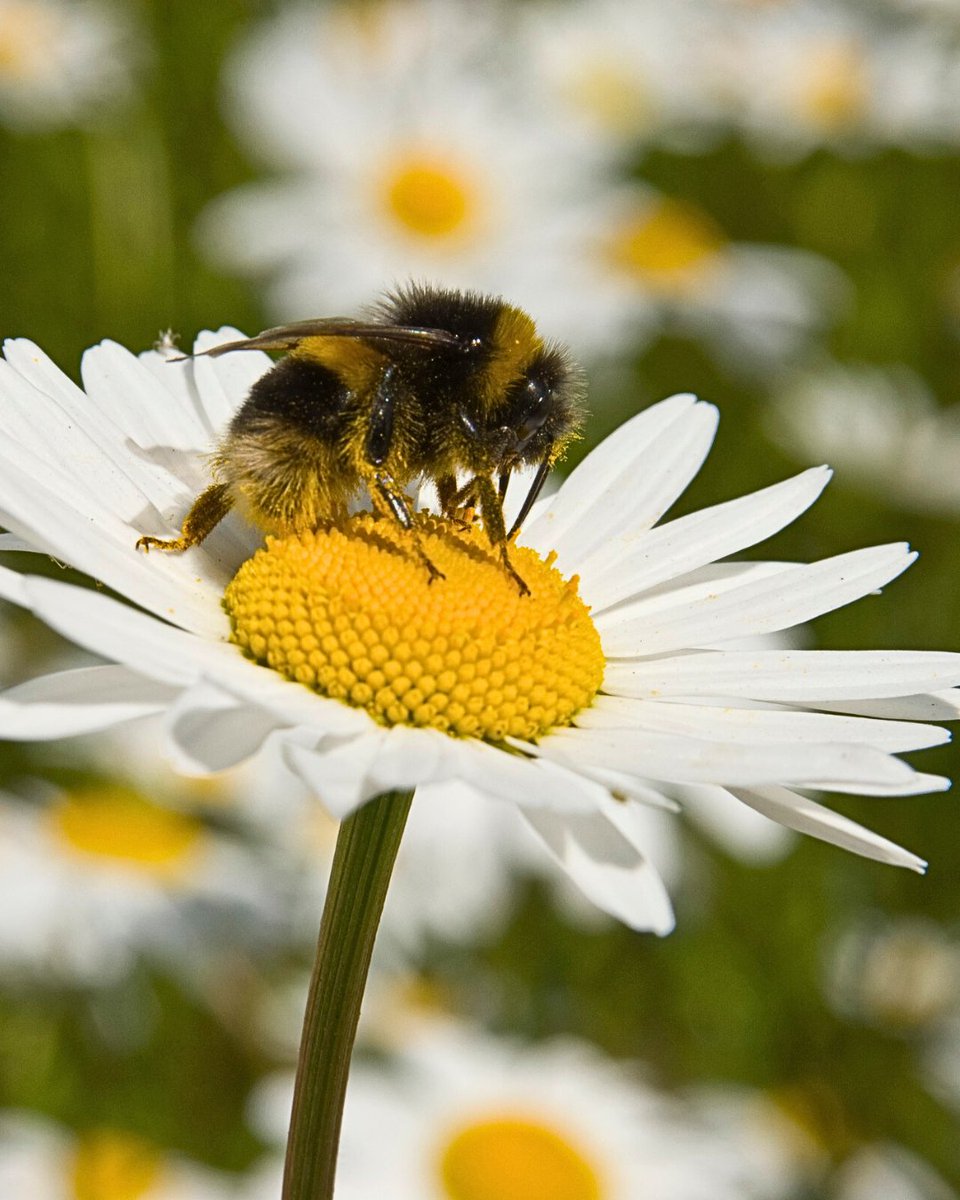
43	1161
881	426
810	74
900	975
98	875
651	262
629	71
444	155
60	62
423	162
890	1171
461	1113
579	703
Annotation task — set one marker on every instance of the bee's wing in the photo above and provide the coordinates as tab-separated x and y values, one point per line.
286	337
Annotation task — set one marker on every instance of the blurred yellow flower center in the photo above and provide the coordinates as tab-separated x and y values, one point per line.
834	87
612	95
428	198
118	823
109	1165
349	611
511	1158
668	245
26	34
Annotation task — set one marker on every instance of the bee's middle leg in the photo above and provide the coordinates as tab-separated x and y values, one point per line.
389	500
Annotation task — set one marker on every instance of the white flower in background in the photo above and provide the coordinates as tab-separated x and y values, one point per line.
889	1172
812	73
901	974
408	151
462	1114
94	876
82	475
630	71
40	1160
60	62
881	427
459	164
652	263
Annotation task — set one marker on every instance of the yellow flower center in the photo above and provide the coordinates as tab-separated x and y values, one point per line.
512	1158
349	611
834	88
428	198
611	95
118	823
26	34
668	246
110	1165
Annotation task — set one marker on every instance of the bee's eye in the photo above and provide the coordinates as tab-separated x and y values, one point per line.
534	410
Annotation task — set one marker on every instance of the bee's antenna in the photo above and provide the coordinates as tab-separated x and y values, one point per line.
535	489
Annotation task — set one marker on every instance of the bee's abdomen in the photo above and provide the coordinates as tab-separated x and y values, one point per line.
299	395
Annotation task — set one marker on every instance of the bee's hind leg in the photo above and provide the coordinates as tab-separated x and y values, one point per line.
205	514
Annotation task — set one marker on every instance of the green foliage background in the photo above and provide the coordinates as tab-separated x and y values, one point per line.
96	241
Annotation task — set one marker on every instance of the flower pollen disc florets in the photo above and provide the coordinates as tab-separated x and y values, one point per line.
348	611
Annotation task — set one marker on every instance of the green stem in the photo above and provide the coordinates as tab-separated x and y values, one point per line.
362	864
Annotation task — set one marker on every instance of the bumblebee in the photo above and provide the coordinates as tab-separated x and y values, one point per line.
455	387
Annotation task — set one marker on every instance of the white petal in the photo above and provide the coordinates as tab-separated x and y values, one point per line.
78	701
531	782
51	512
928	706
630	479
799	593
106	627
129	394
689	760
10	542
790	675
209	730
13	587
628	563
224	383
603	861
338	774
751	726
806	816
410	757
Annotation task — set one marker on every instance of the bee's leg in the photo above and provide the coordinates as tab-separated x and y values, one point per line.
384	493
493	523
389	499
457	504
447	494
206	512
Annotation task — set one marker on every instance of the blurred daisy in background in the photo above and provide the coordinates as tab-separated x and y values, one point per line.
463	1114
891	1172
809	73
97	876
880	426
630	72
673	709
41	1160
63	63
421	164
460	165
901	975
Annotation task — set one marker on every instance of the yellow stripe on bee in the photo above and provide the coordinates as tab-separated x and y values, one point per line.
515	344
355	362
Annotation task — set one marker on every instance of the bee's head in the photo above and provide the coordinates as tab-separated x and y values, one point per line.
542	408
